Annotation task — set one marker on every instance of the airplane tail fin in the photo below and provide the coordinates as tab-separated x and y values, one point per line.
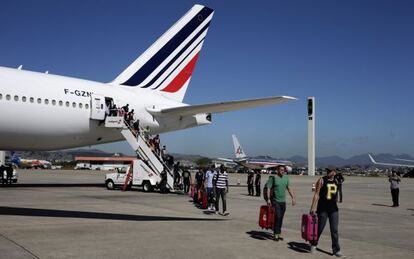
372	159
167	65
238	150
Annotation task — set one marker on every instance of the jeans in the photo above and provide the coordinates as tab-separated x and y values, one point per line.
221	192
258	189
250	189
280	208
210	195
333	224
186	186
395	193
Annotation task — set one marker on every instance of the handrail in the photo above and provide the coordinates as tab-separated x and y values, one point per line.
147	143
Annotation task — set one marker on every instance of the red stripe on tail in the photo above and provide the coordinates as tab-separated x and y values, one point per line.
182	77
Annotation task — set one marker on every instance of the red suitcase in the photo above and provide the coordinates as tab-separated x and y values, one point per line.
204	203
267	217
309	227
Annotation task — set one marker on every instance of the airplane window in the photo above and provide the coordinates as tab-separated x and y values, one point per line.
80	105
46	101
54	102
86	106
1	96
60	103
31	99
8	97
67	104
74	105
39	100
16	98
24	99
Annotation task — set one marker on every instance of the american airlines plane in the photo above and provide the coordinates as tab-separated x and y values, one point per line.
254	163
41	111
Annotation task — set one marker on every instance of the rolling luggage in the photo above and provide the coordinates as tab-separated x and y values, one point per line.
267	217
204	203
309	227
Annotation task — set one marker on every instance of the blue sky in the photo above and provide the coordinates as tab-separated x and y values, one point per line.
355	57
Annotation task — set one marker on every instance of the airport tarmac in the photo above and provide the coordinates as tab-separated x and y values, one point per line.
69	214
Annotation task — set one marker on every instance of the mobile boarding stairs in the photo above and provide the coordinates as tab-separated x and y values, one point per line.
149	164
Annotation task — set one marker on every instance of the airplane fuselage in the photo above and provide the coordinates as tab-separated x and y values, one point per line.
46	112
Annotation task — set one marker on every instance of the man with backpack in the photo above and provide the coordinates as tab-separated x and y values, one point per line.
275	190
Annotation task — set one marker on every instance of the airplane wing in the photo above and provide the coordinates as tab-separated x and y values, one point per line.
226	160
388	164
219	107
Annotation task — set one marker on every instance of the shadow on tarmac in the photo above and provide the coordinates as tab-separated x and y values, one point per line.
14	211
382	205
299	247
260	235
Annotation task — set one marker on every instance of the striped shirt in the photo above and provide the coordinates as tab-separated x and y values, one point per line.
221	180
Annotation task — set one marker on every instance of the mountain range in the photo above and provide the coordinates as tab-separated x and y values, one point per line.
360	160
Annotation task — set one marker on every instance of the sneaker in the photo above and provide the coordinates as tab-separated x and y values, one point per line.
280	238
225	213
312	249
275	237
339	254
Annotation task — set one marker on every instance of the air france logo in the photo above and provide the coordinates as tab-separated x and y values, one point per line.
239	151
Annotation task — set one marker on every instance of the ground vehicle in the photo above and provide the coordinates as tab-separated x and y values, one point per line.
141	175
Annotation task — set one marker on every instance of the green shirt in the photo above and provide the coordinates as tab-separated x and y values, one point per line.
279	188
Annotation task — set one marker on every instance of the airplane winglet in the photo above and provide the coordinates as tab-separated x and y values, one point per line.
372	159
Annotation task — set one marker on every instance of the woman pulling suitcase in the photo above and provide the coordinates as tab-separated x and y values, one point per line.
324	204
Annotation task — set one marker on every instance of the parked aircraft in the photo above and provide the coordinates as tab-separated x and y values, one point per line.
253	163
393	164
41	111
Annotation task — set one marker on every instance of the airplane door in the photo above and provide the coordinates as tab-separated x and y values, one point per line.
97	107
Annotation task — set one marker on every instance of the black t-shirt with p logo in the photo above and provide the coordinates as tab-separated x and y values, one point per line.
328	196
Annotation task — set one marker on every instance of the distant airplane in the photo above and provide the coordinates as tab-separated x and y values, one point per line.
393	164
41	111
253	163
34	163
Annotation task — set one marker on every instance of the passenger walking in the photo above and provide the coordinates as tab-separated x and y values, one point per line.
395	180
199	180
130	117
221	183
250	176
209	184
156	142
276	188
339	180
2	171
125	110
186	180
114	110
324	203
258	182
9	170
176	170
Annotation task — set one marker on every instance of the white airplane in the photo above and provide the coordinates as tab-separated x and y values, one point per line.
253	163
41	111
392	164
